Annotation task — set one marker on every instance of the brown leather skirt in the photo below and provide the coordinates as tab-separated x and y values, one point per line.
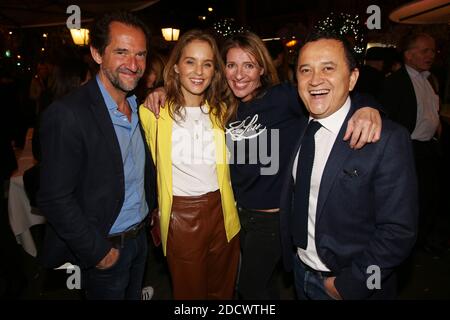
202	263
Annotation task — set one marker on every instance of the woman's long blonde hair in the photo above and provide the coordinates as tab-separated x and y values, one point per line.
218	95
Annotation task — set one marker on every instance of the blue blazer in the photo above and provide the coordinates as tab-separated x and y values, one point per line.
366	211
82	178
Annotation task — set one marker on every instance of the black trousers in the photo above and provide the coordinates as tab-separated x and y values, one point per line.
429	170
261	252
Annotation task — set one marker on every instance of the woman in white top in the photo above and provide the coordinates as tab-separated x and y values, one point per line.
198	217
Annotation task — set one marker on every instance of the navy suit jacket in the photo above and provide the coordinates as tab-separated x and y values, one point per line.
82	178
366	211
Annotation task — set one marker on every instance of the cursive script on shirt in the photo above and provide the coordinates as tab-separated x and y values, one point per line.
245	129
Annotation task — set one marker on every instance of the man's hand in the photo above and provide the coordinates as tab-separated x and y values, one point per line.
109	260
331	289
363	127
155	100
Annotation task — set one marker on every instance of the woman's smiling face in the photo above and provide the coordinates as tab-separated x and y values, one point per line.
243	73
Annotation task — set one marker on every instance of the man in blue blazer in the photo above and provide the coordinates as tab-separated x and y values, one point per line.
97	175
348	217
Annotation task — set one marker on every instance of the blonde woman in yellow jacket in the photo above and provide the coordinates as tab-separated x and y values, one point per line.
198	216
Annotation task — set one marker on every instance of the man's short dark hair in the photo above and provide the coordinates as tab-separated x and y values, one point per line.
99	33
328	35
375	54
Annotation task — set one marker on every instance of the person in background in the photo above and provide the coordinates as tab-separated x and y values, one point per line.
410	97
67	75
9	97
267	118
12	276
153	76
198	218
97	182
371	76
90	63
393	61
39	86
278	53
347	216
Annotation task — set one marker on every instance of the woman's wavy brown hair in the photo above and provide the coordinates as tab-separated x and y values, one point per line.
218	95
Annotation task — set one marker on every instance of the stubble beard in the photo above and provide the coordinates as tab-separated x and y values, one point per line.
114	78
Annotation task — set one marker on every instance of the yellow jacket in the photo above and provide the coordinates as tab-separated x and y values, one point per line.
162	151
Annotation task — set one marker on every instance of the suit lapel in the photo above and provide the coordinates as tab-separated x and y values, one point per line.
410	105
339	153
286	195
105	124
302	127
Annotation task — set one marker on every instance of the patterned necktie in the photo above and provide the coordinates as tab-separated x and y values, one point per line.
305	162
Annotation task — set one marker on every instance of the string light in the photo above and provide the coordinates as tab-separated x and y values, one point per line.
227	27
346	25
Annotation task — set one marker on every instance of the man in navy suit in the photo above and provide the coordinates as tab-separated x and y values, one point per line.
97	175
348	217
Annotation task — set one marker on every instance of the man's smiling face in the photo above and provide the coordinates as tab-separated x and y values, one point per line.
324	77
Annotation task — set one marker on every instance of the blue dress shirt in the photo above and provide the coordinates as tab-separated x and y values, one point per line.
134	208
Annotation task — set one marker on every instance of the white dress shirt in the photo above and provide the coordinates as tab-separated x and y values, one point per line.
324	141
427	105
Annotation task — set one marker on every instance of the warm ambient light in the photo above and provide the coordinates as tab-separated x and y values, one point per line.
210	9
80	36
291	43
170	34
